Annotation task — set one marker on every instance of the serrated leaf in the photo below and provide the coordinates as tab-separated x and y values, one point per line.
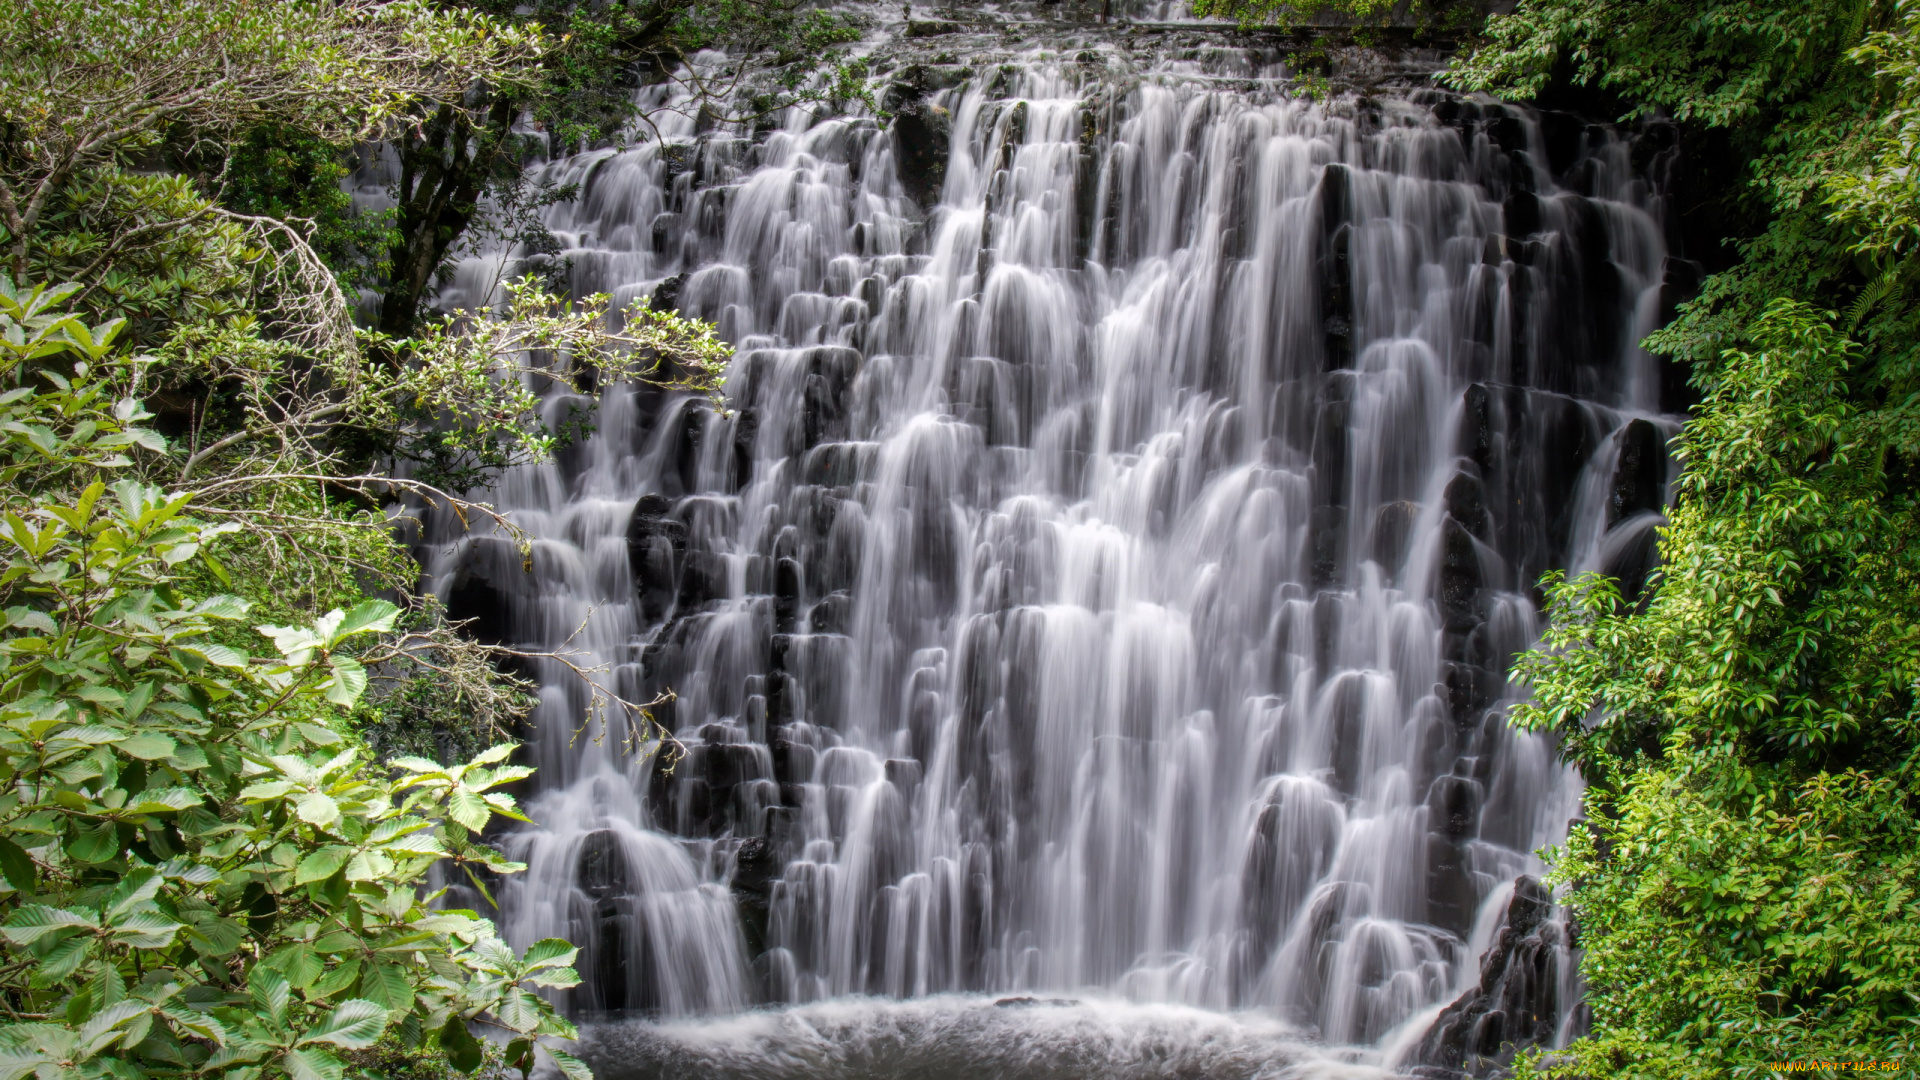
165	800
556	978
132	893
317	808
572	1067
494	753
349	682
60	962
549	951
295	643
368	616
269	789
34	921
462	1049
97	844
146	930
147	746
322	864
520	1011
218	655
468	809
18	866
313	1063
319	736
387	985
271	992
354	1024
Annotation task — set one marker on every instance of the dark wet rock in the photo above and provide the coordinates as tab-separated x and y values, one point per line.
756	865
1453	807
904	775
831	615
1521	214
746	429
787	577
1469	687
666	295
600	870
1466	503
1452	895
1033	1003
655	542
1330	449
1328	533
923	28
1477	439
1334	262
493	579
1516	1003
1639	477
703	579
922	133
830	372
1392	530
1460	578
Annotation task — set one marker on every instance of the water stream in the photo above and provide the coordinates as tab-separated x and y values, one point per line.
1089	622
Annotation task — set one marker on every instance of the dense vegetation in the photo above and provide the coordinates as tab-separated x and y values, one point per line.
204	870
1747	888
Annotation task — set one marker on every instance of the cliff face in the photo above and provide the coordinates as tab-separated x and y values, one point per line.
1132	490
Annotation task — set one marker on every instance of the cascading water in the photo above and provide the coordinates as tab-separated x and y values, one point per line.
1103	582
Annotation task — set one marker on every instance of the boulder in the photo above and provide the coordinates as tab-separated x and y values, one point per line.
1516	1003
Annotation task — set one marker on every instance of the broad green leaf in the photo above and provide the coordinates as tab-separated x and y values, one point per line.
354	1024
313	1063
349	681
147	746
17	865
34	921
386	984
295	643
145	930
368	616
319	736
133	892
495	753
165	800
317	808
462	1049
271	992
95	844
323	863
468	809
548	951
572	1067
520	1011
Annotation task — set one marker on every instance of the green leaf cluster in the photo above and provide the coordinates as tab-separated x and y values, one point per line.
201	872
1747	884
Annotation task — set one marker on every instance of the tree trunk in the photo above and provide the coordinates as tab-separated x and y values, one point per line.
444	167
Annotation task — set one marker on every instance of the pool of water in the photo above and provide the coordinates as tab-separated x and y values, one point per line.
955	1037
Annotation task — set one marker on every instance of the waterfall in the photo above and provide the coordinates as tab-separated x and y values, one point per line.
1101	583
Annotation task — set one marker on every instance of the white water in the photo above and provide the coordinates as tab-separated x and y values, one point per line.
1063	608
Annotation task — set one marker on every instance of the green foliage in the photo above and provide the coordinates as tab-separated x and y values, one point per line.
1718	62
291	175
1748	886
1750	891
202	874
83	85
205	868
462	163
